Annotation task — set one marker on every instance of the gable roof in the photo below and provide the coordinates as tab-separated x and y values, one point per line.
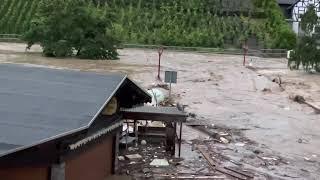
41	104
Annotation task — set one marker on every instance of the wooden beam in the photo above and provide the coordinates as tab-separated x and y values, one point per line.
154	117
217	167
180	139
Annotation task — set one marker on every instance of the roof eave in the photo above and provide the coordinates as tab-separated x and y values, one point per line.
147	96
292	5
107	101
69	132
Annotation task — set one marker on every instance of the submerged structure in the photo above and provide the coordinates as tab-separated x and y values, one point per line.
61	125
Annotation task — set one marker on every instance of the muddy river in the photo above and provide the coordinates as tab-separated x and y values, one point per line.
220	91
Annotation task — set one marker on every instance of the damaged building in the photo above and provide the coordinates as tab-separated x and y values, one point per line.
61	125
66	125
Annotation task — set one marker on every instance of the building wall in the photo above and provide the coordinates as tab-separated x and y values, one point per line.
26	173
299	9
95	163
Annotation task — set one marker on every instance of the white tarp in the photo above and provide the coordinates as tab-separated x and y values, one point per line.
158	95
159	162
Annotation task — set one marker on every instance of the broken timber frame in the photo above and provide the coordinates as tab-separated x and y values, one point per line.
225	170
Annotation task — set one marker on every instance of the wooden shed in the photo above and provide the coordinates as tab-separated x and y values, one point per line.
61	124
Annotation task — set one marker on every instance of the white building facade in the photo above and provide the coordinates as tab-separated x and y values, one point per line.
298	9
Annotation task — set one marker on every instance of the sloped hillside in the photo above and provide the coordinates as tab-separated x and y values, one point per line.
205	23
16	15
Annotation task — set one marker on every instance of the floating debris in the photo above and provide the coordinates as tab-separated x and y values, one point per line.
159	162
133	157
120	158
240	144
224	140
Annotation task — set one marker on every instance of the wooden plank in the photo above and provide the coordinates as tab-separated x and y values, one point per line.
240	172
154	117
213	177
199	177
180	139
231	173
158	134
236	170
314	106
207	157
219	168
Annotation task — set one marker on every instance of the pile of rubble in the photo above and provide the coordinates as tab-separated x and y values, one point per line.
151	161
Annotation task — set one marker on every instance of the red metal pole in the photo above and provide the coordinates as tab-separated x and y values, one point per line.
159	67
245	51
244	57
160	51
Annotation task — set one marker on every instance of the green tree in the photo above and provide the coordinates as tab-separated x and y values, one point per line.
309	20
173	22
307	52
73	27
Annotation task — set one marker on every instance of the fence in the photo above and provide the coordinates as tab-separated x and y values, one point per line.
265	53
10	38
271	53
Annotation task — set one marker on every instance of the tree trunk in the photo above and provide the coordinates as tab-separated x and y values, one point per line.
79	50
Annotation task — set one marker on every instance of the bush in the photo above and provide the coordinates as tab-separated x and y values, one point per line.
64	26
98	49
286	39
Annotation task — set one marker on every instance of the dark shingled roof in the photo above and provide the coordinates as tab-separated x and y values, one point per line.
288	2
38	104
